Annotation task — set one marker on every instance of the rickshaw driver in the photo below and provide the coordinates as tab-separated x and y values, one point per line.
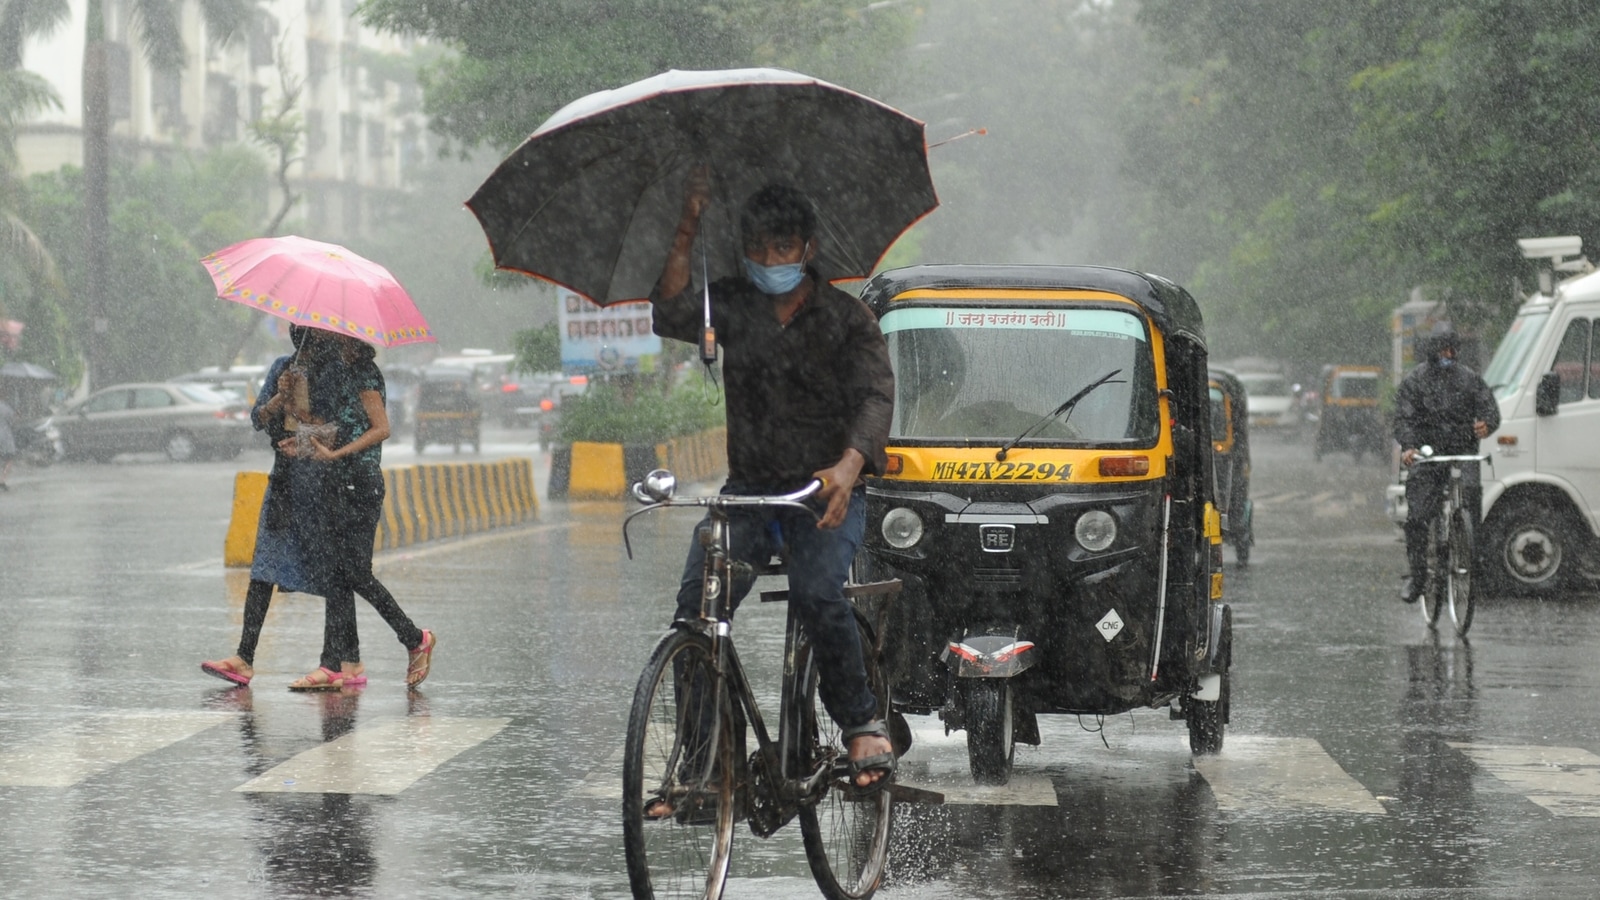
810	393
1449	407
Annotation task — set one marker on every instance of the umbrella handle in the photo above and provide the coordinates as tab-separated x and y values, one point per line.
708	334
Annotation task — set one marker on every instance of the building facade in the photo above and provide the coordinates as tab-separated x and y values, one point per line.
358	109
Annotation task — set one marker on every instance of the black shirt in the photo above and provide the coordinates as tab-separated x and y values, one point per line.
798	394
1436	405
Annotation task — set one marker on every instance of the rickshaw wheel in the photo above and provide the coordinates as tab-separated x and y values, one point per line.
1207	720
990	722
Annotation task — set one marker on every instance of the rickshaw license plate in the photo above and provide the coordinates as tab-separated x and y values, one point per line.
997	538
949	470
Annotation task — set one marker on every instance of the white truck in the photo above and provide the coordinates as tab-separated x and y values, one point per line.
1541	496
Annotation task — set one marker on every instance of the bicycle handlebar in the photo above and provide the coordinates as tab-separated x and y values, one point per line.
722	501
728	501
1441	459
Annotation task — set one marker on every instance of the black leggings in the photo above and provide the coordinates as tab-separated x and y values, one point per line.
339	640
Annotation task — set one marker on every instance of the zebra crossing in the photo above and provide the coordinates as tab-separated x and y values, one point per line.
389	755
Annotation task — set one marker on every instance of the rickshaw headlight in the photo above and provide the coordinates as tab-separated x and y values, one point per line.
1095	531
902	528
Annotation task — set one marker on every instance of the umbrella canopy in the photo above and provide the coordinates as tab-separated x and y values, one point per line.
590	200
26	370
318	285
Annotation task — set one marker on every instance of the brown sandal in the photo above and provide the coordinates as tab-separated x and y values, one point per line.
421	659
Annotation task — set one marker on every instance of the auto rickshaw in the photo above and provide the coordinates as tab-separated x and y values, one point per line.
447	410
1230	446
1049	504
1350	419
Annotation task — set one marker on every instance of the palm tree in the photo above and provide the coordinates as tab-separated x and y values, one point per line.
22	94
161	39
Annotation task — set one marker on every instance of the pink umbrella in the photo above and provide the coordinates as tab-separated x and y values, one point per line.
318	285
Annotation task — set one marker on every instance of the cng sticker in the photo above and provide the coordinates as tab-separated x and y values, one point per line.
1110	625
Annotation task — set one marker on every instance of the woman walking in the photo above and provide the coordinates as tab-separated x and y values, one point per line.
354	505
291	530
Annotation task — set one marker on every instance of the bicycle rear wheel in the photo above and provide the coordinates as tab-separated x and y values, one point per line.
679	750
847	831
1459	558
1433	590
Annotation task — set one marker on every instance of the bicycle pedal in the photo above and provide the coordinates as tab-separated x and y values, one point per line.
905	793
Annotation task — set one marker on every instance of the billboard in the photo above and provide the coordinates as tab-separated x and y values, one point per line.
604	340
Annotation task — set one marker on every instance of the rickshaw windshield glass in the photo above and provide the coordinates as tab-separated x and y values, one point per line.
1219	414
987	374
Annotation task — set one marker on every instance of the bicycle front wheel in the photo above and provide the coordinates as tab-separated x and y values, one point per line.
1459	558
846	831
678	775
1434	589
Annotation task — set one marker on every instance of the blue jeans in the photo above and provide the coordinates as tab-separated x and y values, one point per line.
818	562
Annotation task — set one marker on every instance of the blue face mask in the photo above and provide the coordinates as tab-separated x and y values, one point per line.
1445	362
774	279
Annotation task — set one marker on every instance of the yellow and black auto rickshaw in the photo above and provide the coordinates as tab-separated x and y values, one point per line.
1230	445
1350	418
1049	503
447	410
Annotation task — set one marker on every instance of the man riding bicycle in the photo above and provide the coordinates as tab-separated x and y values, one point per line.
1444	405
809	395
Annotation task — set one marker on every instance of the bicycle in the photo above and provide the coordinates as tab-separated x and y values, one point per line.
1450	549
687	732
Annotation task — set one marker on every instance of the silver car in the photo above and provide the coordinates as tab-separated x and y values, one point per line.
186	421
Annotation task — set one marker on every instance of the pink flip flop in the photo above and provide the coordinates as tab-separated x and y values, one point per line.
223	669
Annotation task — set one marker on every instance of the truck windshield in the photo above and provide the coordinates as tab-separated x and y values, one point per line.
981	375
1505	372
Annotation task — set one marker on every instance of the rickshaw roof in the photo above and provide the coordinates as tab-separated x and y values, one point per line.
1170	306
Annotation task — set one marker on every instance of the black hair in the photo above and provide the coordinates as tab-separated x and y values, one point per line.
778	209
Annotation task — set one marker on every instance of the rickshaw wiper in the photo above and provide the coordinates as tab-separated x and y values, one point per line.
1072	401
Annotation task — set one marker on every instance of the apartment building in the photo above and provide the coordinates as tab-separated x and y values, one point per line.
360	107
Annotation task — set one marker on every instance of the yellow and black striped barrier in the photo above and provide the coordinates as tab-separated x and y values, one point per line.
424	502
596	471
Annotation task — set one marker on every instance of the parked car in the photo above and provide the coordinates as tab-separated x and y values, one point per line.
242	382
186	421
1271	402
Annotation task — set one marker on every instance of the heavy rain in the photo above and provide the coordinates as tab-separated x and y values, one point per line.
1193	396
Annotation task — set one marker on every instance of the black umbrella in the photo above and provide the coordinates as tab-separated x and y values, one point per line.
590	200
26	370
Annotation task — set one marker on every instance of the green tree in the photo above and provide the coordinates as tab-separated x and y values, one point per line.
164	318
29	278
518	61
1332	156
159	28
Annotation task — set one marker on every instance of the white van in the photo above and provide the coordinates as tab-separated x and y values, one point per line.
1541	496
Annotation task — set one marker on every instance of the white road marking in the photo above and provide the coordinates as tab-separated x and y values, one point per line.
84	749
1563	780
385	758
1254	773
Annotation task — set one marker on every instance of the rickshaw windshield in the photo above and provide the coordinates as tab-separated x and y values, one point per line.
985	374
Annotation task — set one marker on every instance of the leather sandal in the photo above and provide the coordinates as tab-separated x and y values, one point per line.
877	762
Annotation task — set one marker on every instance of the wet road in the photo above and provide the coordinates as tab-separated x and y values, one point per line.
1365	757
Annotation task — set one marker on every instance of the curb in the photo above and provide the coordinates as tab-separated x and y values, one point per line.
601	471
424	502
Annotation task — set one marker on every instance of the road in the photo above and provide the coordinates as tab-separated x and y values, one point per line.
1367	756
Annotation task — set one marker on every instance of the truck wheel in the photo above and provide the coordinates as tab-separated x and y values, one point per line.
989	723
1532	547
